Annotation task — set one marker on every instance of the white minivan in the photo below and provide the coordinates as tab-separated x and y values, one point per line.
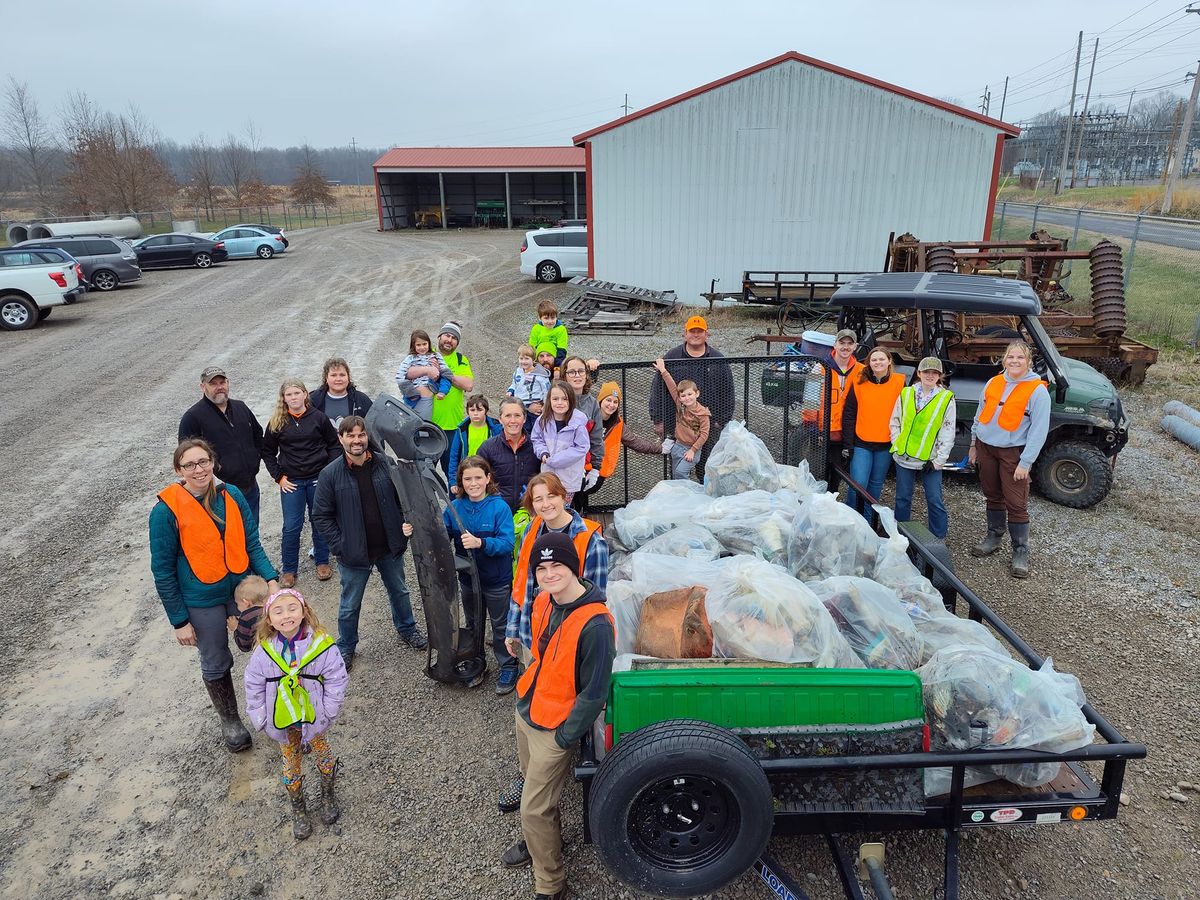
550	254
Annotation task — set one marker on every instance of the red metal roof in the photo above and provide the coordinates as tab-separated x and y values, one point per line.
1011	130
550	158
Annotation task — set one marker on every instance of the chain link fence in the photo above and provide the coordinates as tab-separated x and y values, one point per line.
1161	257
782	400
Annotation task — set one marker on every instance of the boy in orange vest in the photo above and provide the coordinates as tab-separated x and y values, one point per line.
558	698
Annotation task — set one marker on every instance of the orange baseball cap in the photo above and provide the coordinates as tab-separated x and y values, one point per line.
696	322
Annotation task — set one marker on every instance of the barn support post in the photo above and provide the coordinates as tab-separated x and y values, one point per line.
507	200
442	195
574	195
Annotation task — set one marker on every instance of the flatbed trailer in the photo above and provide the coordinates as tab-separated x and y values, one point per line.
671	817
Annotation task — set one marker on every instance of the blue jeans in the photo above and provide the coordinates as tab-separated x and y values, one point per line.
252	495
680	467
868	468
931	480
496	601
294	505
354	583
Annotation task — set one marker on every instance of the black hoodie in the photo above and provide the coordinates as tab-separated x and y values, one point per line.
593	669
302	448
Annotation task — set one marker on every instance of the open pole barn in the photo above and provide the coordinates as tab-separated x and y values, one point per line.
442	187
792	164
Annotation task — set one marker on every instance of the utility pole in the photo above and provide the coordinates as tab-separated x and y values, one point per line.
1184	134
1083	116
1058	182
1003	99
985	99
625	106
354	150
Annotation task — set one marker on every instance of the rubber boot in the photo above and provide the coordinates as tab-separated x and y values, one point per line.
996	519
301	827
224	701
329	807
1020	554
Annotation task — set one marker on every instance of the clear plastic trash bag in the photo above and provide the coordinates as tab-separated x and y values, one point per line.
739	462
799	479
829	538
758	611
754	523
668	504
896	570
872	619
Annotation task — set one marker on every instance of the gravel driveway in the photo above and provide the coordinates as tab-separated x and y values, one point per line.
115	780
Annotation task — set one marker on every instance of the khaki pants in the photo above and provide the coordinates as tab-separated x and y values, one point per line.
545	766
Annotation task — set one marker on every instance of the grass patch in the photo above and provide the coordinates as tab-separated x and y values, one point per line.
1134	198
1162	301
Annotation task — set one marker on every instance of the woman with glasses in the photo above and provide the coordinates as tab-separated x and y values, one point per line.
203	541
577	372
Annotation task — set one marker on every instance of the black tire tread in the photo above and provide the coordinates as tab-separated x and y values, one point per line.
1101	472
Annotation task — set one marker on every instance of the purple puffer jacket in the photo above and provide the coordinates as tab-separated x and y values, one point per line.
326	698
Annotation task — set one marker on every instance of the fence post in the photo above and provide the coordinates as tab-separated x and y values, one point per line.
1075	234
326	214
1037	207
1003	210
1137	226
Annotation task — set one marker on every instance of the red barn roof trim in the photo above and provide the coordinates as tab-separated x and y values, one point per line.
1009	130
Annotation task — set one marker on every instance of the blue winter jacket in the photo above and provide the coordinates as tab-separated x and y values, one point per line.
177	585
490	519
458	441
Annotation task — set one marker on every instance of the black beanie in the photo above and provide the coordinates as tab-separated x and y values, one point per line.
555	546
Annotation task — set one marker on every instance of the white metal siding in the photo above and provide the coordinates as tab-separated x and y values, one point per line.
789	168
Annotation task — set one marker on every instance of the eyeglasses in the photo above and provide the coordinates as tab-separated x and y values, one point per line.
198	464
575	372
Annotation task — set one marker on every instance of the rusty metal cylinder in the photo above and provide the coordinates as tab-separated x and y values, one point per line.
940	259
1108	290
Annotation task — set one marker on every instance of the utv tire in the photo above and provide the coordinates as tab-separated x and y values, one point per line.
680	808
1073	474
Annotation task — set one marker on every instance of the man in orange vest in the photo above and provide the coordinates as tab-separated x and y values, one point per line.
558	698
845	367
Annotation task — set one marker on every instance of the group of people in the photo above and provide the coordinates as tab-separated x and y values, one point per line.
519	483
875	420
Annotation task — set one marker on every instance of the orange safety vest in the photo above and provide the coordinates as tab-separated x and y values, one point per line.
1013	407
875	405
612	449
841	387
521	575
210	556
554	694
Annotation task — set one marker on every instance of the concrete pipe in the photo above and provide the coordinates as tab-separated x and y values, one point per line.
1182	430
127	227
17	232
1182	410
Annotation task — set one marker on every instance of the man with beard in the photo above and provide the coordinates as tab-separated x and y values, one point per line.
450	410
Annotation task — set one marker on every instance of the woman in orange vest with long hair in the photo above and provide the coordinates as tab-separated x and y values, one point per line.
203	541
616	436
1008	434
866	435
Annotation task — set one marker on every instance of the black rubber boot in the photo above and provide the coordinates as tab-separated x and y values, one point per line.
224	701
1020	555
996	519
301	827
329	807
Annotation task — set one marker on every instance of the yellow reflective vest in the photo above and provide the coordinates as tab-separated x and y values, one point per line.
293	706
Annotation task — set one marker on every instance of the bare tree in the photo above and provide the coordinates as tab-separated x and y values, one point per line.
310	186
29	135
254	145
201	188
236	167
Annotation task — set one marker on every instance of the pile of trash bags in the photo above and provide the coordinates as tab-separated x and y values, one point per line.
761	563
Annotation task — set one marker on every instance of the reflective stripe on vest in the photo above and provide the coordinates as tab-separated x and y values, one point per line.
920	427
552	679
841	386
293	705
1013	407
521	573
612	449
210	556
875	405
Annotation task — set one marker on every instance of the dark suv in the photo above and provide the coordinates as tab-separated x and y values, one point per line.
106	261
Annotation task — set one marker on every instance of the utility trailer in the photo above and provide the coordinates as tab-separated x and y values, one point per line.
696	764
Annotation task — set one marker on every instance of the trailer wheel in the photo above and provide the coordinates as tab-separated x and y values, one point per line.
680	808
1073	474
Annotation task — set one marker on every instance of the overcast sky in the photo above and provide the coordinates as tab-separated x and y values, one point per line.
511	73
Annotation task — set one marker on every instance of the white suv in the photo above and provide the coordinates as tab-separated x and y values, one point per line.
550	254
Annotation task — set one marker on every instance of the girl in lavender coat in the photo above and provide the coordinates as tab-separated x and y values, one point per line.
295	685
560	437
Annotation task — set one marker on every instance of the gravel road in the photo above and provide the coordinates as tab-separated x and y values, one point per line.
116	782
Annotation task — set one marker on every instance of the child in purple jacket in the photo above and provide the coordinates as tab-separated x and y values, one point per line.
295	685
560	437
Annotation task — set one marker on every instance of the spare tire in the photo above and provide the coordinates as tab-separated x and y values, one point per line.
680	808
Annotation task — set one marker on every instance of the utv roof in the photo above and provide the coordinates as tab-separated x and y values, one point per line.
980	294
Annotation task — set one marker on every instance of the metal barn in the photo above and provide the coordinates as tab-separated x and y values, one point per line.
479	186
791	164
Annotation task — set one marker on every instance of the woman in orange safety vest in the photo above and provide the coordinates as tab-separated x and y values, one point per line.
866	436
